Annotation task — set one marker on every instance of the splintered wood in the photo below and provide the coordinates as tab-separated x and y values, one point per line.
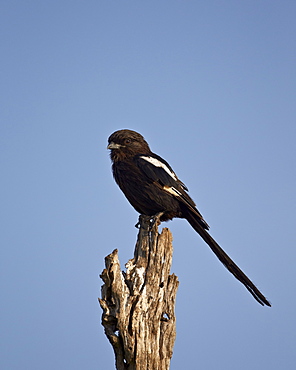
138	305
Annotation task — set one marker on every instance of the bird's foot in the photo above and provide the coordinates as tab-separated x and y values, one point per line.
153	221
144	222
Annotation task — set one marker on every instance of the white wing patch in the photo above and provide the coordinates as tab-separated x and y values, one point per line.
172	191
158	163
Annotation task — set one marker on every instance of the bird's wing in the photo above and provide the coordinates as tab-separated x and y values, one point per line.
157	169
161	173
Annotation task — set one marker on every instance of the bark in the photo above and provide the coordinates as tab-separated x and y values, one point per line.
138	305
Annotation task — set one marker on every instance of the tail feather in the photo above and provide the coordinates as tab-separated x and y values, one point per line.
226	260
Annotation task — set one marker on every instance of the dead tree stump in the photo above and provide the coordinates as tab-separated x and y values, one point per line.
138	305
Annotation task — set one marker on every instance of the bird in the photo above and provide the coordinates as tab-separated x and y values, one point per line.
153	188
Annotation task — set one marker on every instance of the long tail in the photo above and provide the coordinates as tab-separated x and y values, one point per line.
226	260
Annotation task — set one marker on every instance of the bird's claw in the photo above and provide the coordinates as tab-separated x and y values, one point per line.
153	220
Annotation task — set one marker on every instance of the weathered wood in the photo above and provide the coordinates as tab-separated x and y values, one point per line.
138	305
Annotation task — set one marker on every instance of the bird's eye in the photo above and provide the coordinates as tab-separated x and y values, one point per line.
127	141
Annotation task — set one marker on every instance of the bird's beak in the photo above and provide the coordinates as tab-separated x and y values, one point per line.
113	146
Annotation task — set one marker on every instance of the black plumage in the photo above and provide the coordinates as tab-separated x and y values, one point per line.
152	187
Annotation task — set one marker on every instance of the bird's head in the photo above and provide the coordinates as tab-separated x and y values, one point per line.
126	143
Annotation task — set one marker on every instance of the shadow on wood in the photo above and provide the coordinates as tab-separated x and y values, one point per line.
138	305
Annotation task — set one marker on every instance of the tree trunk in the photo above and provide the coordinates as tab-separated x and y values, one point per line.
138	305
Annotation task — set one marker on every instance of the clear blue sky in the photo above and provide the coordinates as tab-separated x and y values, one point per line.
211	86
